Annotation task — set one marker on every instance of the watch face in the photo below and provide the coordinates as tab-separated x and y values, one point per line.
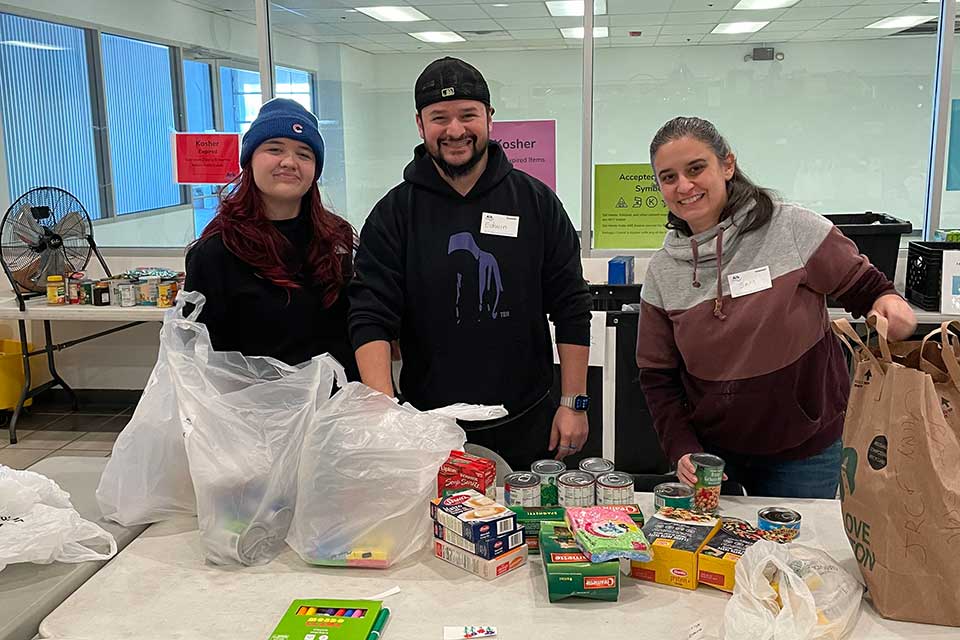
581	403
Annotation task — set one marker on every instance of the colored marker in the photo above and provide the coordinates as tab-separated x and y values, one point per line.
348	613
329	612
359	613
379	624
302	611
340	612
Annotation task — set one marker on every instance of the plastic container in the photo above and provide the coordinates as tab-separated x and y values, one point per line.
56	290
612	297
924	270
11	373
876	235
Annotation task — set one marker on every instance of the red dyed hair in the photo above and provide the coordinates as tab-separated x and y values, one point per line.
246	232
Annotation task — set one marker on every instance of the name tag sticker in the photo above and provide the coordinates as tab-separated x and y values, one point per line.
495	224
747	282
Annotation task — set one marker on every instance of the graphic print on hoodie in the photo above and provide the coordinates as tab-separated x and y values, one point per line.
488	282
470	308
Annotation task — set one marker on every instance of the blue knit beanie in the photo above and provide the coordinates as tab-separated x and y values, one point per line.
283	118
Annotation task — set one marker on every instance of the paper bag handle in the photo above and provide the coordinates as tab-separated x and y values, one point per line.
874	319
949	356
843	330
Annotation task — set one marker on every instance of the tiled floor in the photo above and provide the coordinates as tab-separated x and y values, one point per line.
56	430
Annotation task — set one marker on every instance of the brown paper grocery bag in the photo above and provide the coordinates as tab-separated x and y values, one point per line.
900	483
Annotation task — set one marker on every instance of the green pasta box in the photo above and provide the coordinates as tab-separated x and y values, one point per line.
531	518
328	620
569	573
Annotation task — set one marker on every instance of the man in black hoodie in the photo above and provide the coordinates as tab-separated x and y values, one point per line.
462	262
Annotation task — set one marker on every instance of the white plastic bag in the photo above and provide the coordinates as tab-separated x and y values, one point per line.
790	592
39	524
244	419
368	469
147	478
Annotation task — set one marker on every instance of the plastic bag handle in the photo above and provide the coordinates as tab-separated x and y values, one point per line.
339	373
184	298
80	551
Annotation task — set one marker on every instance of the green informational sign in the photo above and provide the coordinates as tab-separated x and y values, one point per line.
628	210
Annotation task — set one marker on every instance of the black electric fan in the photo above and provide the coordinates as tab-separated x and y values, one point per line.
45	232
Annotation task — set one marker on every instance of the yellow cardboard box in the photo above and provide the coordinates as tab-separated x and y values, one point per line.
676	538
718	558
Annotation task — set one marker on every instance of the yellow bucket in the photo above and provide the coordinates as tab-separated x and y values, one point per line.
11	373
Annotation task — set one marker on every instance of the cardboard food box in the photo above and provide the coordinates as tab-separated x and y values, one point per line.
569	573
718	558
473	516
486	569
331	619
463	471
488	549
531	518
676	538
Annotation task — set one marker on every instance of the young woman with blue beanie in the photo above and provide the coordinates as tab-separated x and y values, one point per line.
273	263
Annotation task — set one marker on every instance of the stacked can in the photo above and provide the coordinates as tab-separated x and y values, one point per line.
549	471
615	487
576	489
521	489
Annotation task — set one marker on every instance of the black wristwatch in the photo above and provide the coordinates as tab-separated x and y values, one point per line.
577	403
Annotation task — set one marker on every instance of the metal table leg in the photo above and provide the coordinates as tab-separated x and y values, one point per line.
25	350
49	348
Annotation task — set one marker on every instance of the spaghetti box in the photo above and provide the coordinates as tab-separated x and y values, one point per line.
620	270
330	619
718	559
488	549
486	569
473	516
463	471
569	573
676	538
531	517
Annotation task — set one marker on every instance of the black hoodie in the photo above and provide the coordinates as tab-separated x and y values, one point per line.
470	309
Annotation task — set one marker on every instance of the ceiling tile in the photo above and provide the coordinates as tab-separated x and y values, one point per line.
638	6
795	25
872	11
536	34
716	38
471	25
630	20
624	32
518	10
704	5
695	17
678	40
685	29
525	23
837	24
453	11
813	13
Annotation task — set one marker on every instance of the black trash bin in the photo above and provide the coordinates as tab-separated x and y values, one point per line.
877	236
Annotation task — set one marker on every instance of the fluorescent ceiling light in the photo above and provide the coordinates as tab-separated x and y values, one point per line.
757	5
577	32
32	45
438	36
393	14
562	8
900	22
739	27
501	4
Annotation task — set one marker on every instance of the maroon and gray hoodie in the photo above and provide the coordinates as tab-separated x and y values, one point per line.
760	374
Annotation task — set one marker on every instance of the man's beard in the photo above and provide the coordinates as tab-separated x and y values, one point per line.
457	170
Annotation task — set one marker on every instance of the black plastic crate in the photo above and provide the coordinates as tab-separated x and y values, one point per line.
612	297
924	272
876	235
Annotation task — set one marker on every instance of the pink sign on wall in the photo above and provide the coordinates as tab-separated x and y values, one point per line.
531	146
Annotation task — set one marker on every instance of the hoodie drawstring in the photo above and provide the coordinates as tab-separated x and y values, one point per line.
696	259
718	303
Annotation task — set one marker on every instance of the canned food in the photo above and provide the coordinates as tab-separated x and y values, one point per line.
596	466
166	293
115	284
779	524
86	292
576	489
101	294
615	487
73	290
673	494
56	290
128	295
521	489
706	493
549	471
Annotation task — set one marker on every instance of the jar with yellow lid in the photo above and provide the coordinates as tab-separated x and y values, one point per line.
56	290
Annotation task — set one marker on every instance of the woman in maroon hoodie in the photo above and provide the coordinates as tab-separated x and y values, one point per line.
734	347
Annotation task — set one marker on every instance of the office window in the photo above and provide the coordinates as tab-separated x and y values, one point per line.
48	137
295	85
140	119
240	93
198	93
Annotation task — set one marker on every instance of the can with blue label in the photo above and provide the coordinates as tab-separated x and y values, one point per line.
779	524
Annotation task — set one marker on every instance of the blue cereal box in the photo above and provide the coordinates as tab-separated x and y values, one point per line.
487	549
473	516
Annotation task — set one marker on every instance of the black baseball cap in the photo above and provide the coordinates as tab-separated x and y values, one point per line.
450	79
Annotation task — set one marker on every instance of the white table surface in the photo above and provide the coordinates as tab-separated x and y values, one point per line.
159	587
923	317
38	309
